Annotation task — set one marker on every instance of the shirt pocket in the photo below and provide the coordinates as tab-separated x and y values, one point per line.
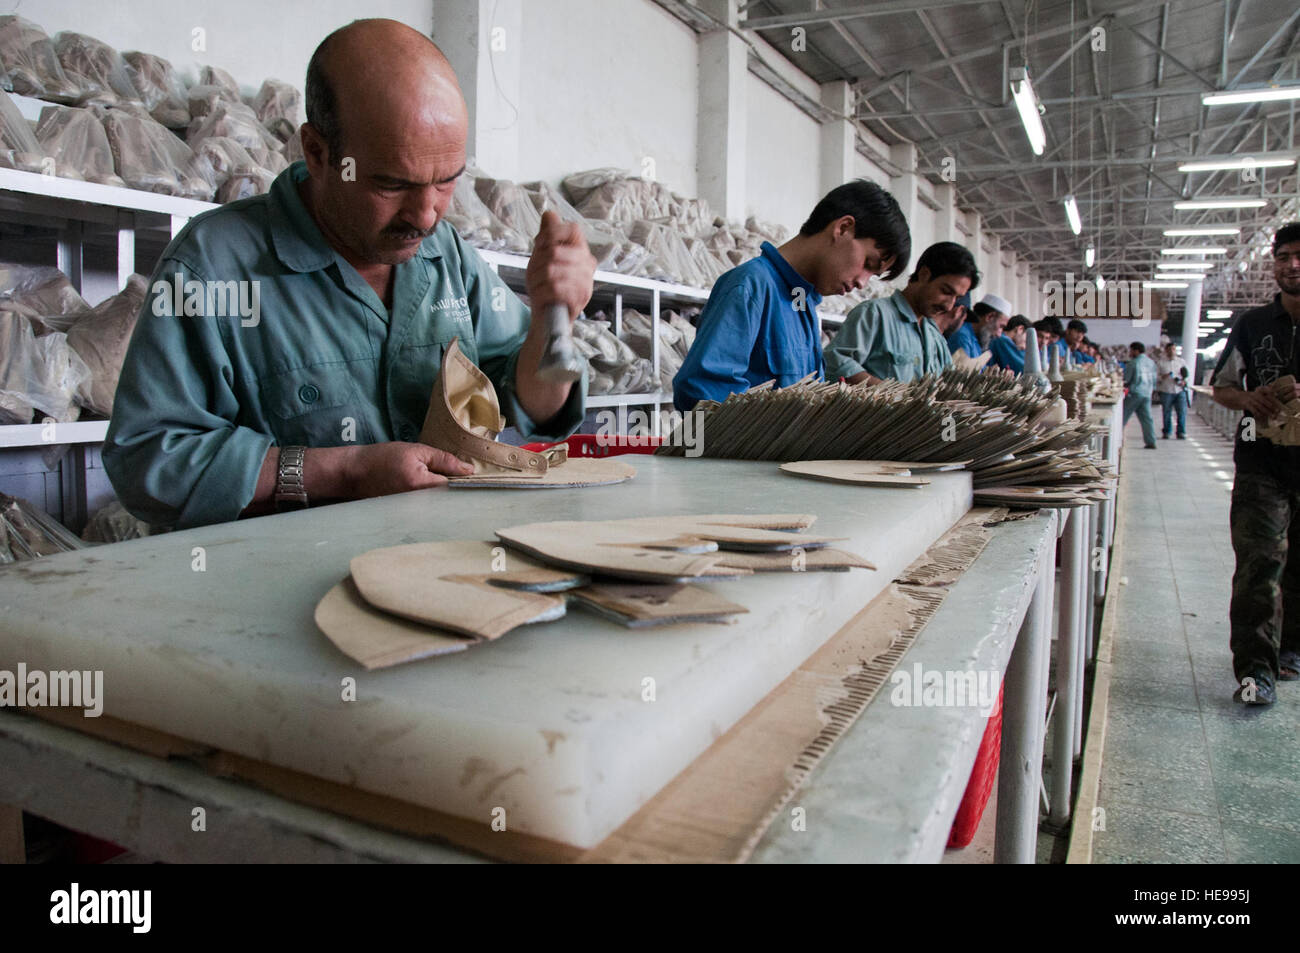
316	406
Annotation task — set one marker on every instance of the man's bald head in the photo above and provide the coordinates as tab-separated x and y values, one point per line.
372	77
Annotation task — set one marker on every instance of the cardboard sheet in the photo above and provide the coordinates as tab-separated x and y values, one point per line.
852	472
643	605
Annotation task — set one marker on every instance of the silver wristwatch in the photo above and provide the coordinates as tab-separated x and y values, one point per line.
290	491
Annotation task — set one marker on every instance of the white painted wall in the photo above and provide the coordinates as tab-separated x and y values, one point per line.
784	158
251	39
607	85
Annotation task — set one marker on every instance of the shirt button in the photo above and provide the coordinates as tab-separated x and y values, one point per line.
308	393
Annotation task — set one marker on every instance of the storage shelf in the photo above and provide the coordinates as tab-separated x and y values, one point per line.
92	193
617	281
34	435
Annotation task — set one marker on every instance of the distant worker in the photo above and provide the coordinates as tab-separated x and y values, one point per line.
897	338
1076	333
1140	379
1172	390
986	322
1008	348
760	322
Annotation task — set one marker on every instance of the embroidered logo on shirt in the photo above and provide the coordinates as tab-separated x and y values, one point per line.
461	306
1267	360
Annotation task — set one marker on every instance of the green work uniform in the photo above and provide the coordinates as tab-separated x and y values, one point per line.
256	332
884	338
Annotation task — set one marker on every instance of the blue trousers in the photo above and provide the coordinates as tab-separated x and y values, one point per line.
1141	405
1174	403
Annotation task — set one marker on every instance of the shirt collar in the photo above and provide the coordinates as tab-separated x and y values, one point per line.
899	301
791	277
297	240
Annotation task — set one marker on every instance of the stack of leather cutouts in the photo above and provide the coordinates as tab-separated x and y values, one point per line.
409	602
990	424
464	418
1283	428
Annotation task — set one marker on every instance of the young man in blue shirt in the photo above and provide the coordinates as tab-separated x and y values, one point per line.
760	322
1076	332
1008	348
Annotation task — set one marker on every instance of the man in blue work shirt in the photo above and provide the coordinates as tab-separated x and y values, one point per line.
760	322
1140	379
1076	332
319	389
1008	348
896	338
987	321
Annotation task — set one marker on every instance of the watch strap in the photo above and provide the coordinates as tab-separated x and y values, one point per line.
290	489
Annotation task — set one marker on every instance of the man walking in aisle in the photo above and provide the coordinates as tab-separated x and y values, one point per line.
1265	516
1171	386
1140	379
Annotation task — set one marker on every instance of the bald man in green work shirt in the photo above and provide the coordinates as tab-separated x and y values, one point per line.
288	349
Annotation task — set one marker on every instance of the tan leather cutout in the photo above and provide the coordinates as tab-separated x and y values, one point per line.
377	639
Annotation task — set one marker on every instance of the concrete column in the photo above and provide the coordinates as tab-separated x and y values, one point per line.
1191	327
483	40
721	133
945	193
839	138
903	188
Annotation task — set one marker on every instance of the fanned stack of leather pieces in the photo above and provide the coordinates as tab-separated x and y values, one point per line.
404	603
993	424
464	418
1283	428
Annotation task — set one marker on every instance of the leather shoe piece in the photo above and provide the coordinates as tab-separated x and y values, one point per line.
1255	690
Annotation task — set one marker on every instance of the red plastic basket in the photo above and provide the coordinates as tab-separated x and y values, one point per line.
598	445
980	786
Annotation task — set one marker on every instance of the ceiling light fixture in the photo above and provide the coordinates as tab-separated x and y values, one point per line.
1196	250
1218	313
1072	213
1188	265
1022	91
1193	204
1089	256
1188	232
1267	94
1244	163
1173	276
1164	284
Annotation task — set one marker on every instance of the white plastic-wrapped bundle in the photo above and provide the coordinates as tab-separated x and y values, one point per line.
100	337
235	121
511	205
42	295
76	141
613	367
278	100
670	259
215	76
245	185
28	57
113	524
150	157
19	147
40	373
160	89
97	68
637	332
475	223
217	158
613	195
201	100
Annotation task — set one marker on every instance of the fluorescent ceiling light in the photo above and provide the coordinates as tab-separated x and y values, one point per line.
1022	91
1244	163
1101	282
1192	204
1165	284
1171	276
1186	232
1266	95
1187	265
1089	256
1218	313
1195	250
1072	213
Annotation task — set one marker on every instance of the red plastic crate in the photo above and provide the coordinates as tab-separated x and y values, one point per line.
595	445
980	785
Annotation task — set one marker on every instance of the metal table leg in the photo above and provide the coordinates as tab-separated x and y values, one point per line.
1069	680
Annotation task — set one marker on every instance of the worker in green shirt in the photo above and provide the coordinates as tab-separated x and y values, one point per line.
897	338
288	349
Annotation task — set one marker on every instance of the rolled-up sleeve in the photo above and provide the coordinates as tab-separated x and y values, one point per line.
501	324
174	452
